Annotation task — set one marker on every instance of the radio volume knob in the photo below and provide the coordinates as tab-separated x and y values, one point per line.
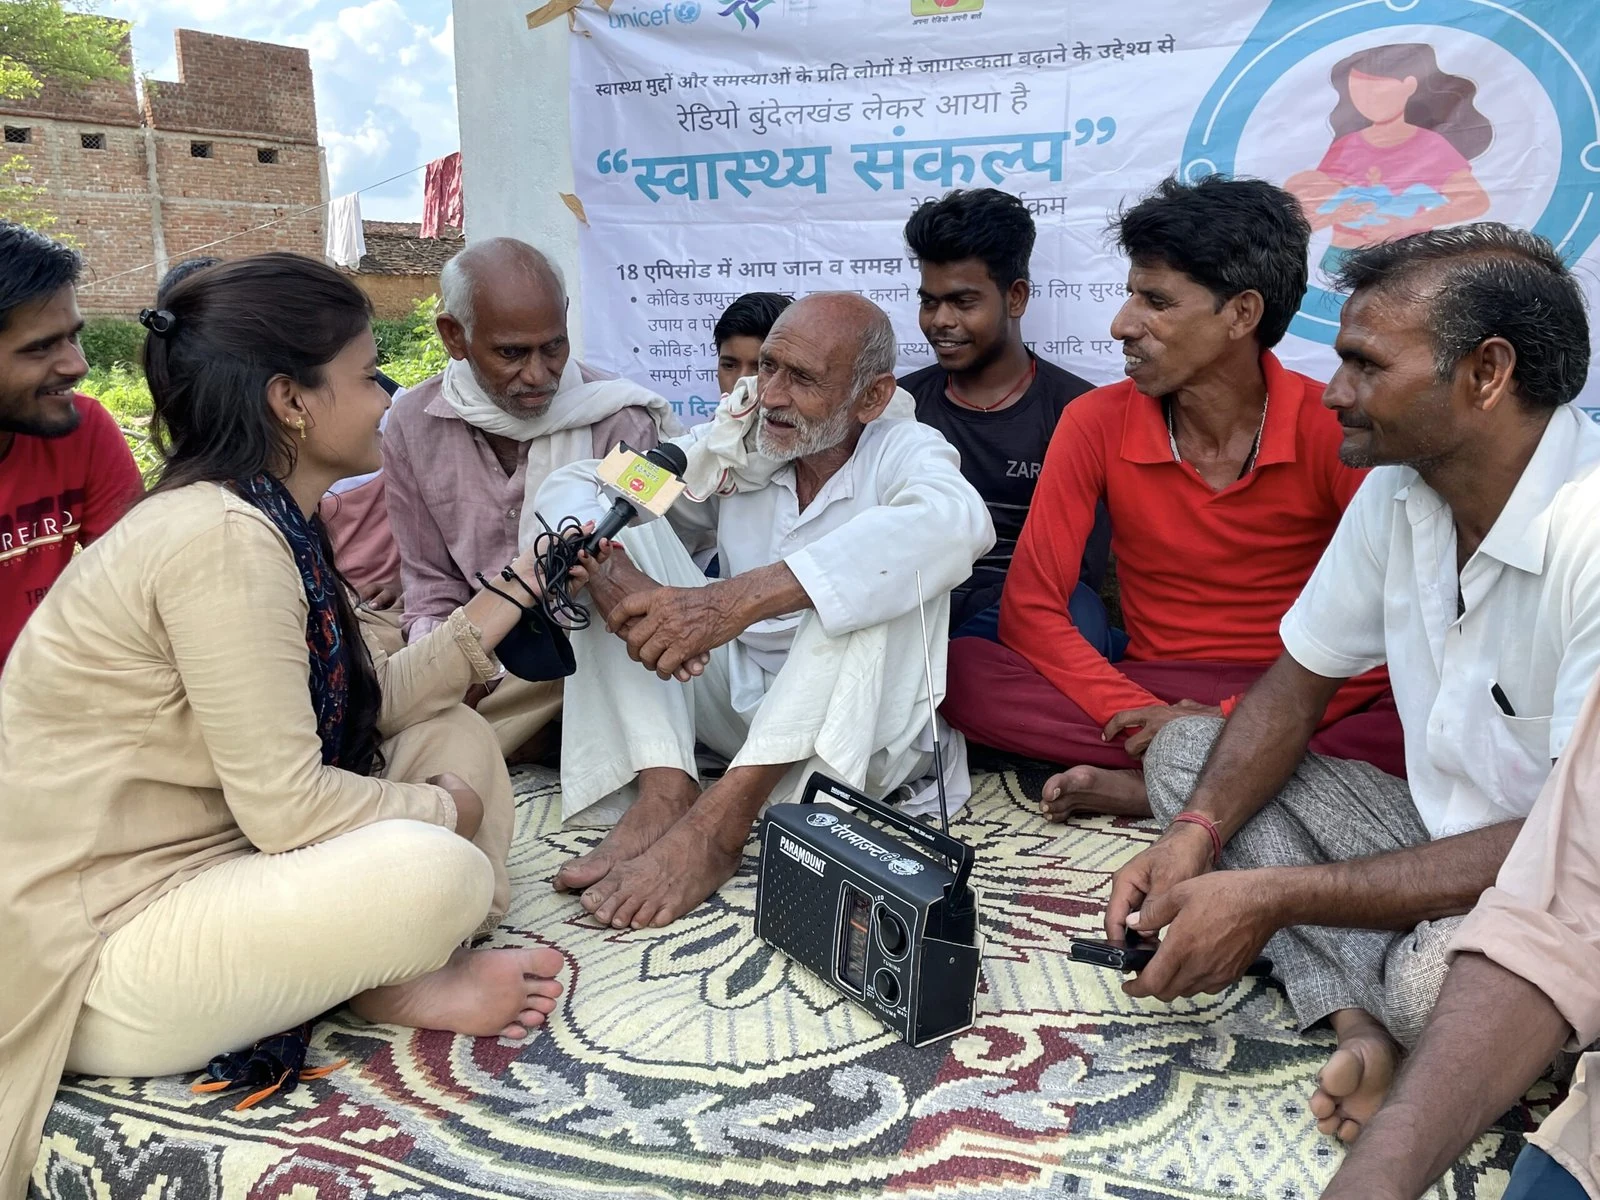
887	987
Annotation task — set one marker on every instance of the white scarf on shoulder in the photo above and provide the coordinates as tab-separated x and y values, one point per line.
724	460
563	433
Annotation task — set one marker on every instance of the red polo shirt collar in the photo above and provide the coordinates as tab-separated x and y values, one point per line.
1144	426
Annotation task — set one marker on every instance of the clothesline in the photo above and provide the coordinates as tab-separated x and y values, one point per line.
193	250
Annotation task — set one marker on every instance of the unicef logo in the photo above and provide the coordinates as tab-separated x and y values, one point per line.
822	820
905	866
687	12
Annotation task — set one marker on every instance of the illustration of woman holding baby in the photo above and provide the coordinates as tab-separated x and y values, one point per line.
1405	134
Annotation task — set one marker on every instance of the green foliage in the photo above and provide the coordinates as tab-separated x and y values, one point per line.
23	201
39	40
410	351
393	338
122	391
111	341
425	363
44	39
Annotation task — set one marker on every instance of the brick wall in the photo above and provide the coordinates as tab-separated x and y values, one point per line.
231	86
392	296
142	199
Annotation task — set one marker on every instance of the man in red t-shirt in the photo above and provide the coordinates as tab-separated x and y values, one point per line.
1220	470
66	474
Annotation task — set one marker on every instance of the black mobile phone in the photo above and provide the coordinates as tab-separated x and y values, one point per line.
1111	955
1135	955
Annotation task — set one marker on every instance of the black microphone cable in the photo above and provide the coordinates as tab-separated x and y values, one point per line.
556	552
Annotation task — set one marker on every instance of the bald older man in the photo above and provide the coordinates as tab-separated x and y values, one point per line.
463	450
826	498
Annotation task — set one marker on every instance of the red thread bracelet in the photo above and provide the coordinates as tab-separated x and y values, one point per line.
1194	818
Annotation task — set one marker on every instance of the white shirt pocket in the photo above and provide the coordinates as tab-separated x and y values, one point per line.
1519	760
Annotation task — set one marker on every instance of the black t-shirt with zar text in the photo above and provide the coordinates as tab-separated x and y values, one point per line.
1001	456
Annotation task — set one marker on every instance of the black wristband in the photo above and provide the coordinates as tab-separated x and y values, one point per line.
506	596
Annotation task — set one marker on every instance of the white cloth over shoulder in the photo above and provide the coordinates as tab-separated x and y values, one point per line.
560	435
726	460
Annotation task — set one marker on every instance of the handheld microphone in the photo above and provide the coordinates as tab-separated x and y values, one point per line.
642	487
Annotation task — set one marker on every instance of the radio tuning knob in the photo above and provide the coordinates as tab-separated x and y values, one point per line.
892	936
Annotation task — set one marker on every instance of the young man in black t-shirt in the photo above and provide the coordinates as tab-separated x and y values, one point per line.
994	400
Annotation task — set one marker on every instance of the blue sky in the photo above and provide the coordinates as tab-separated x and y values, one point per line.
384	70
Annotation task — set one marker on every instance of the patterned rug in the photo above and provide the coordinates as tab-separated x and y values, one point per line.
694	1061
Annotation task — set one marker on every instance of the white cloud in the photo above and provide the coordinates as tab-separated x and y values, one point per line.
384	72
388	79
353	155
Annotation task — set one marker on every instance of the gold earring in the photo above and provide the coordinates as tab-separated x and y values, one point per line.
301	426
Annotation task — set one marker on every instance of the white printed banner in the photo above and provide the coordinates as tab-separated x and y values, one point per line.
779	145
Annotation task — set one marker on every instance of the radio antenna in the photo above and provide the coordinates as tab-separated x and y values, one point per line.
933	715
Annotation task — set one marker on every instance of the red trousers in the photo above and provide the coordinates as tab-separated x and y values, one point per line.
997	699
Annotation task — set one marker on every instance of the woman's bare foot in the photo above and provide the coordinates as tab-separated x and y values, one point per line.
665	794
1094	790
1353	1083
481	993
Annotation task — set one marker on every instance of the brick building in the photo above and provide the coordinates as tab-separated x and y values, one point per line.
401	266
141	181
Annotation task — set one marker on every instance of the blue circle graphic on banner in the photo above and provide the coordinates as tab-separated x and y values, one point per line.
1292	30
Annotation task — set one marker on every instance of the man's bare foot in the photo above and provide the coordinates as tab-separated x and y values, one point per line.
665	794
693	859
1353	1083
616	578
481	993
1094	790
666	881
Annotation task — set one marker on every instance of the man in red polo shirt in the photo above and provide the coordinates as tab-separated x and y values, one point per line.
1220	470
66	474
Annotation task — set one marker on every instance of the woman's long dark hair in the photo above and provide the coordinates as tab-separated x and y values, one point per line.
239	325
1442	103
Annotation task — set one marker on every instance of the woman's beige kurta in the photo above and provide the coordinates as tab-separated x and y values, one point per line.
155	719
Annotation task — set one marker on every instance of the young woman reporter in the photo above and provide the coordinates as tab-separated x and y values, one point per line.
222	815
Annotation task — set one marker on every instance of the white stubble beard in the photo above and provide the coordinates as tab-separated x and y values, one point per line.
810	437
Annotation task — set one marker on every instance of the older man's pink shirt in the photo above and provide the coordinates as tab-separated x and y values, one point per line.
453	509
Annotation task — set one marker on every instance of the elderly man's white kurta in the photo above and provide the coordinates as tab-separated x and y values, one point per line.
837	688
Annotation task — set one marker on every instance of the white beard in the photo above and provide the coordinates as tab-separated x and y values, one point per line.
810	437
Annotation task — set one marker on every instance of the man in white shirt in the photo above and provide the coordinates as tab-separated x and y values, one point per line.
826	499
1470	564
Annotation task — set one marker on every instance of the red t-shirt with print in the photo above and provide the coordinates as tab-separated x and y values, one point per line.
55	494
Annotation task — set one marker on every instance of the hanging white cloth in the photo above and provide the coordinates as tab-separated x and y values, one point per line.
346	240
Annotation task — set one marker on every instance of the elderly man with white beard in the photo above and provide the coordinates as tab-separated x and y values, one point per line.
825	500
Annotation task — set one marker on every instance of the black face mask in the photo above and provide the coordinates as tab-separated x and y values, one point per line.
536	649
